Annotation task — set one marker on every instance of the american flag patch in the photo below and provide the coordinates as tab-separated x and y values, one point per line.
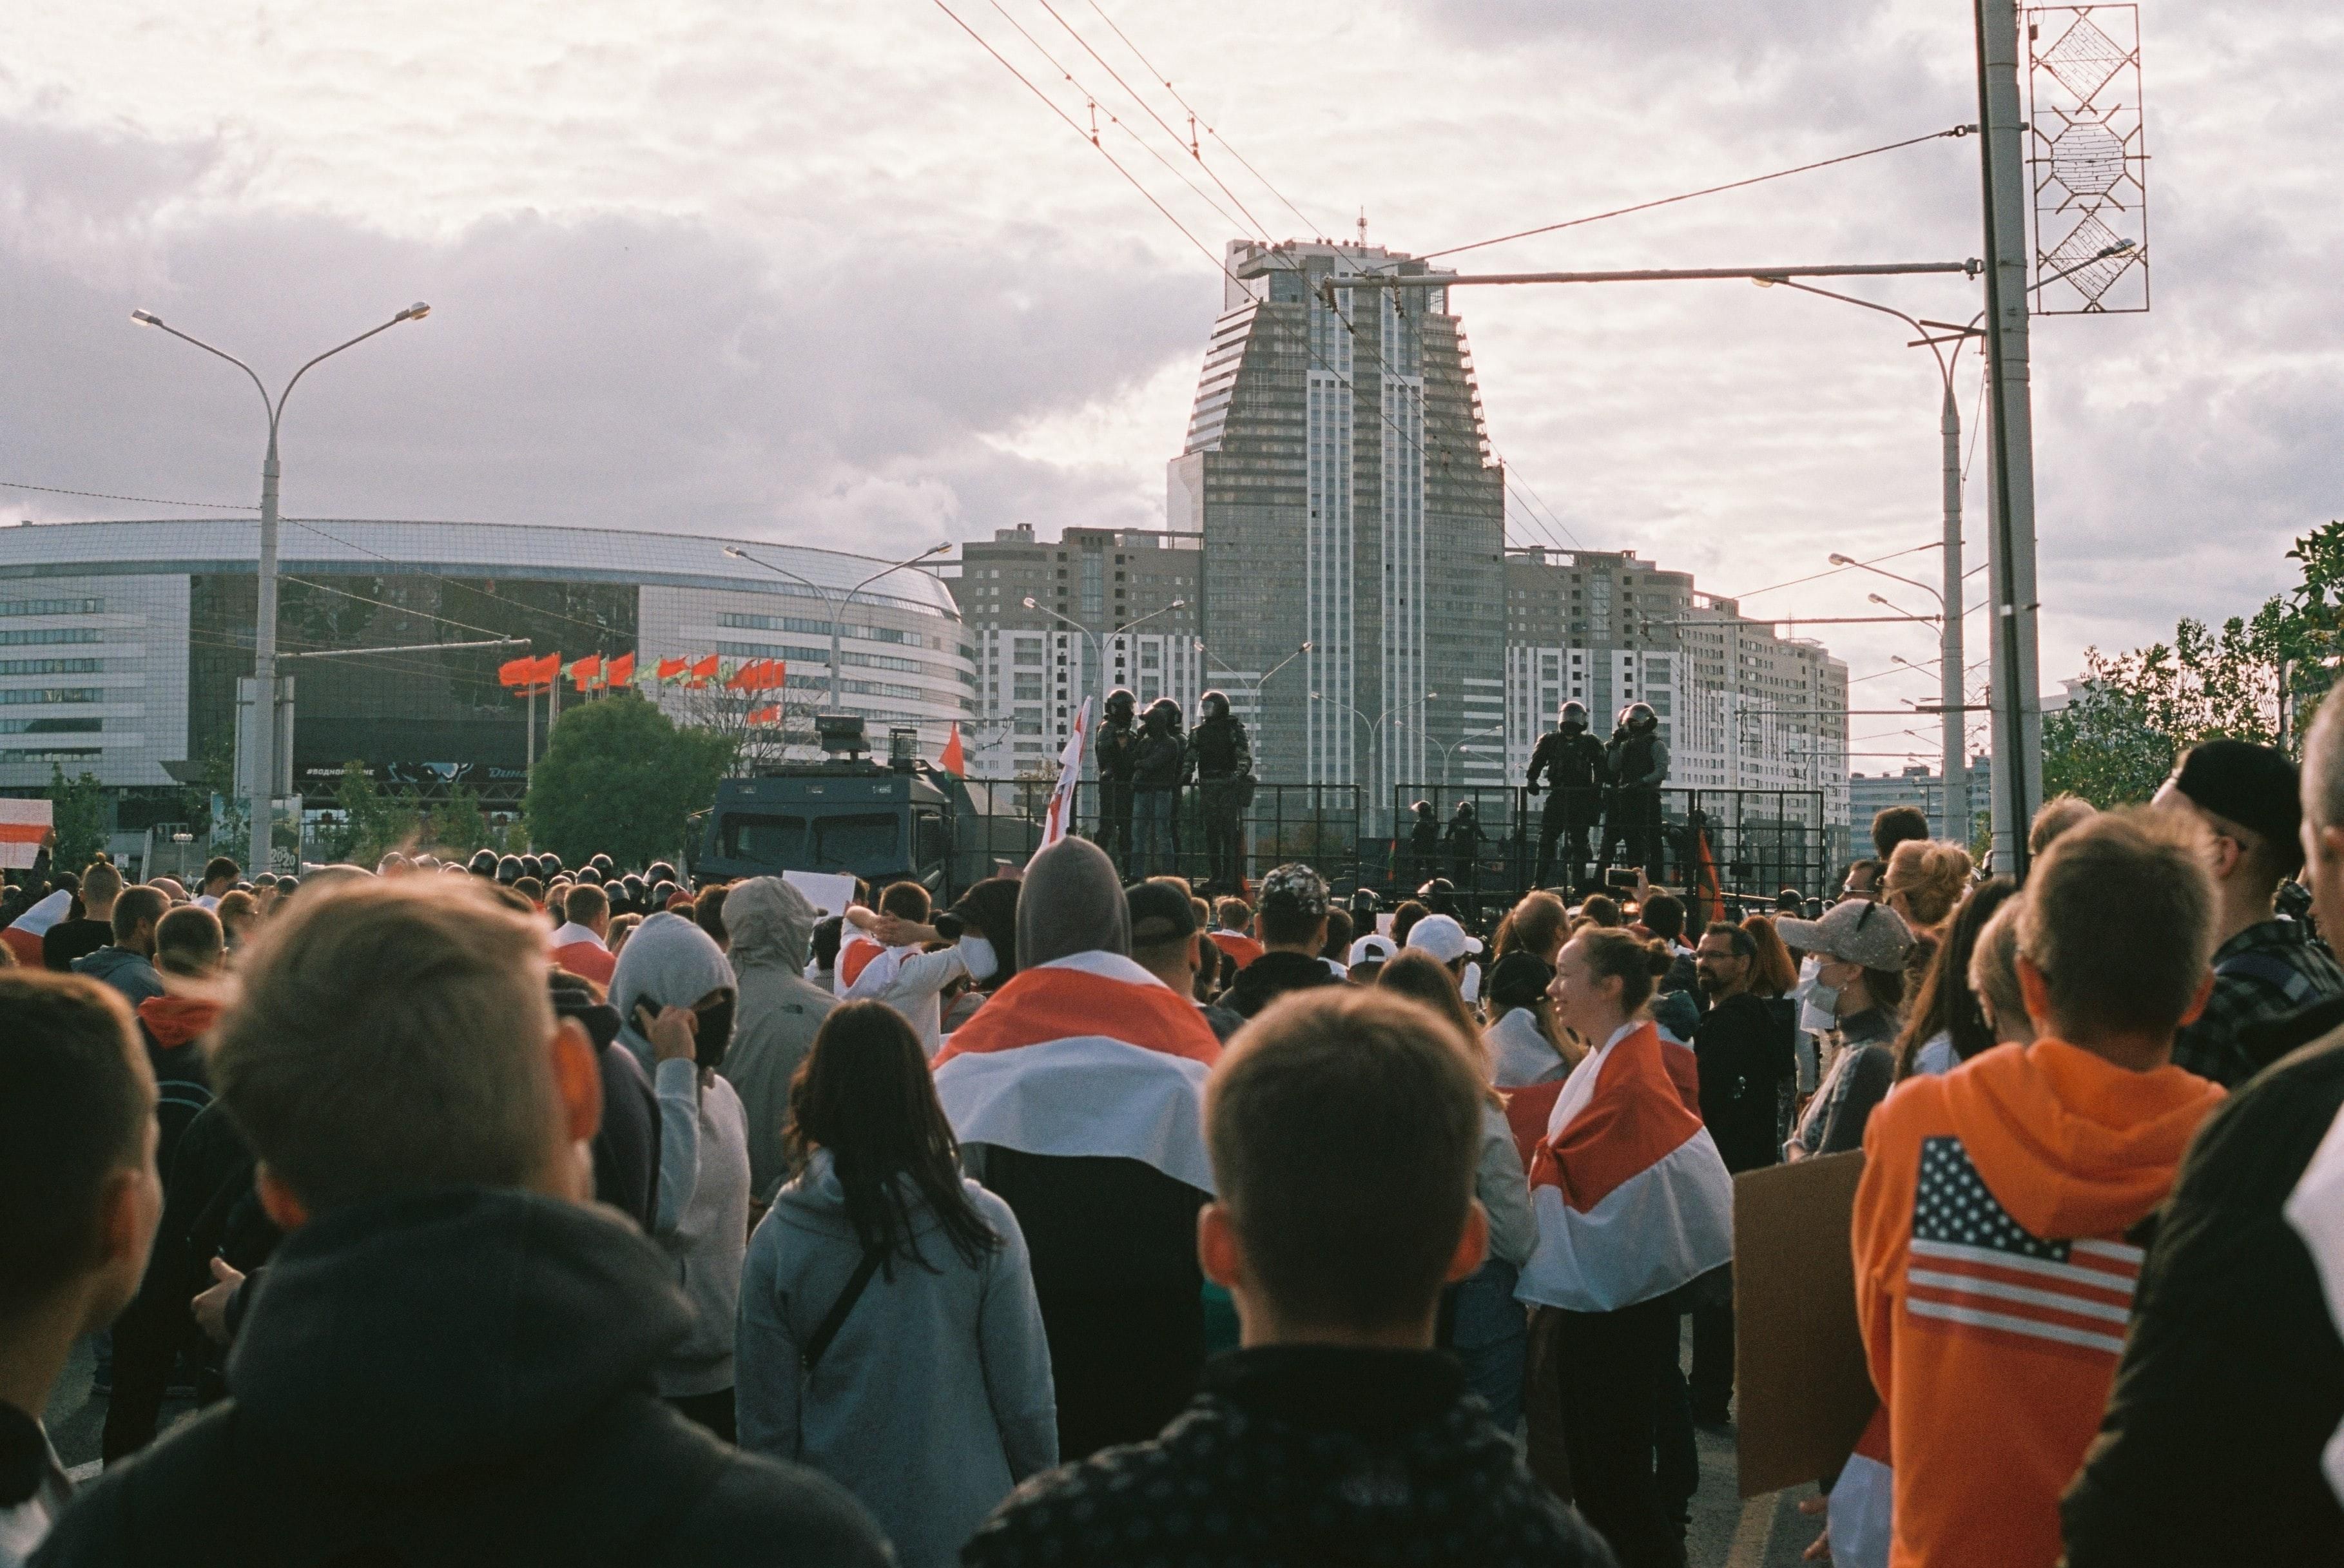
1972	1268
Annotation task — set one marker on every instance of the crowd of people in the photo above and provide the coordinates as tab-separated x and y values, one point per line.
499	1211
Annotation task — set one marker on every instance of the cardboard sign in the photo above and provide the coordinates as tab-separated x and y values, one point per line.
826	891
1804	1393
23	825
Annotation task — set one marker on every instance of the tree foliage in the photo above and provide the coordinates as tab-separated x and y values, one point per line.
619	778
79	812
2255	678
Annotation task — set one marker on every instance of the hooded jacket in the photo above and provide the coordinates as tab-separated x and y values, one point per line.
127	972
170	1026
933	1400
1995	1260
456	1378
703	1212
1270	977
771	925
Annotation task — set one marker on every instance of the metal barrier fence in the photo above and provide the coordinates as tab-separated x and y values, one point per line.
1210	835
1757	841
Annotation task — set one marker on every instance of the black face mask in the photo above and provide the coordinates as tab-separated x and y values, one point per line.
714	1034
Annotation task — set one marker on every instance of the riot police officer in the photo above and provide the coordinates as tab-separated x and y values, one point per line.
1118	742
1160	767
1638	761
1222	759
1574	764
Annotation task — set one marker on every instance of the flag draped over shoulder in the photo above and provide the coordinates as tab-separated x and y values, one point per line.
1088	1055
23	934
1632	1198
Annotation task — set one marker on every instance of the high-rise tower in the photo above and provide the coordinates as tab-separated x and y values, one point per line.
1339	475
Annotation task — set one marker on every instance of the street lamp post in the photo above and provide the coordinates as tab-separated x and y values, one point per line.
1375	737
264	635
1255	683
837	608
1448	747
1098	649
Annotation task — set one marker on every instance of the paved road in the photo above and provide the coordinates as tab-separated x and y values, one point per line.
1764	1532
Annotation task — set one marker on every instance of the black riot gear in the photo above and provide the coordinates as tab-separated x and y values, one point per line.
1576	772
1573	718
1216	704
1120	703
1221	755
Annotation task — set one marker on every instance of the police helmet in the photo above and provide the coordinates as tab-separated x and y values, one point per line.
1165	711
533	866
589	876
659	871
483	862
1639	716
1216	704
551	862
508	869
1573	715
661	891
1424	810
1465	811
1120	702
605	864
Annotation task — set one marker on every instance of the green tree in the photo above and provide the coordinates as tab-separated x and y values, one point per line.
2102	746
82	816
617	777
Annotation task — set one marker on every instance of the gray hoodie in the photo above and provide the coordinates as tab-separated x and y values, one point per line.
127	972
703	1179
771	925
935	1398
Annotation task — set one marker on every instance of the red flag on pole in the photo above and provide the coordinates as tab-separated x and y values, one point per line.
705	669
766	716
776	675
954	760
516	671
744	678
546	671
622	672
669	669
586	671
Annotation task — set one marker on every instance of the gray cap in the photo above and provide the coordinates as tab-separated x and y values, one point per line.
1294	888
1854	931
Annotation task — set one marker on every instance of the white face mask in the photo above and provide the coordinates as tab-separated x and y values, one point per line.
978	955
1820	1011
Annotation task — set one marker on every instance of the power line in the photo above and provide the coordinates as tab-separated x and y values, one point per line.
134	500
602	633
1308	221
1259	227
1689	195
1819	576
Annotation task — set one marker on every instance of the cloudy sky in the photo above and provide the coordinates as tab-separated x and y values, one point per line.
827	272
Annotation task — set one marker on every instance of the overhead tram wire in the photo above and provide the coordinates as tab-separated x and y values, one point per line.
1113	119
1259	228
1706	190
1309	222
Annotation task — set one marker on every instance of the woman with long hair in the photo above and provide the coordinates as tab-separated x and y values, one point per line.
1526	1044
1945	1027
890	1336
1777	973
1482	1324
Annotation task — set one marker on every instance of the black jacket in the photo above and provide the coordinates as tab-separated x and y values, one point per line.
70	939
1118	744
1160	761
1219	750
1566	762
2232	1380
1297	1456
1745	1049
456	1378
1273	975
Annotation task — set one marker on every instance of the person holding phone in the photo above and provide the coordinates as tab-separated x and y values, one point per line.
676	991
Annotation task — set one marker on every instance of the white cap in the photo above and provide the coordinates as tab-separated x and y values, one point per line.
1371	949
1440	936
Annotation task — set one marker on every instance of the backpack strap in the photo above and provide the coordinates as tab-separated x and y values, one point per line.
836	1318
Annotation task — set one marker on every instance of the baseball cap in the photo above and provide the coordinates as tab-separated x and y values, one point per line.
1440	936
1371	948
1159	913
1854	931
1294	888
2255	786
1519	979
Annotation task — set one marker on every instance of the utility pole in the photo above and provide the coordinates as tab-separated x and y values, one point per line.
2018	704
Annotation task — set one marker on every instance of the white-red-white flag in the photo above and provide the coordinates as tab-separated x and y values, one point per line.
1061	815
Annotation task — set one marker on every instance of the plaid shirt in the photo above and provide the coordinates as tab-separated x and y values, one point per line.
2267	971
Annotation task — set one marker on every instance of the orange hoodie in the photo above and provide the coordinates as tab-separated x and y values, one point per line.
175	1021
1994	1281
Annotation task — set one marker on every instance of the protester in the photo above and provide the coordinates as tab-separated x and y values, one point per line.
126	963
1994	977
1944	1025
2246	799
1745	1054
904	974
1405	915
80	1198
772	923
1345	1133
189	947
2232	1379
1992	1264
1526	1044
1485	1328
1293	926
1895	825
1663	915
1232	920
1335	952
1076	1094
676	998
239	915
708	914
1860	984
2053	817
890	1336
1166	941
622	927
451	1360
220	874
93	928
1634	1203
626	1149
1444	938
580	942
1367	957
1923	882
1776	973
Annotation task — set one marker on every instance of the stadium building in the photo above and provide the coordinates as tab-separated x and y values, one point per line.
122	644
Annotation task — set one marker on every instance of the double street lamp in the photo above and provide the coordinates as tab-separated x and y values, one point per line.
1098	652
262	780
1255	683
837	607
1375	734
